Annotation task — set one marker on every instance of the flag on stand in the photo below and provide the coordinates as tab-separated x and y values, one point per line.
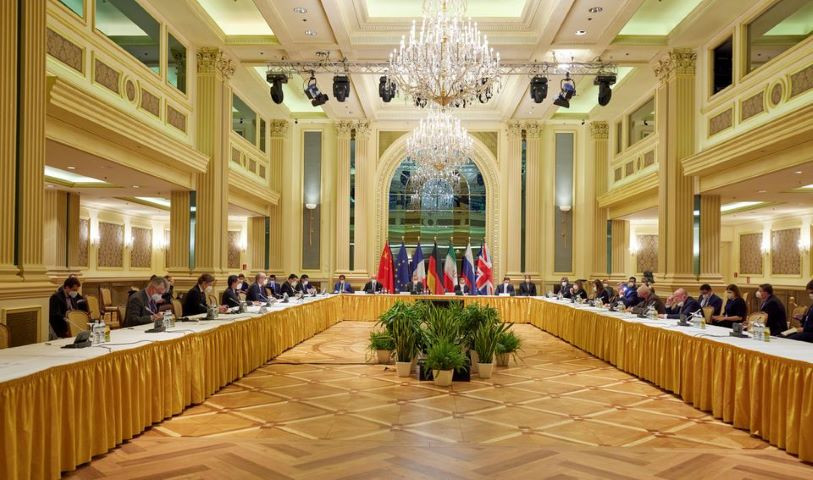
485	277
469	274
433	282
385	270
450	270
416	267
402	277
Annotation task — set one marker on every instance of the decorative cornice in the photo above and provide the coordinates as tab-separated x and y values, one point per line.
680	61
600	130
211	60
362	128
344	128
279	128
514	129
532	129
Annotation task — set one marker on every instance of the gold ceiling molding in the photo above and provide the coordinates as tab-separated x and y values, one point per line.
279	128
679	61
212	60
599	130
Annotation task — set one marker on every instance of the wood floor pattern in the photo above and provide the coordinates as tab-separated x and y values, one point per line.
319	412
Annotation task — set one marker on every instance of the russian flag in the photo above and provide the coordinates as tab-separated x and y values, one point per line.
485	277
469	274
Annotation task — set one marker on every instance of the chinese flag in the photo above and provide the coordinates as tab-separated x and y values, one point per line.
385	270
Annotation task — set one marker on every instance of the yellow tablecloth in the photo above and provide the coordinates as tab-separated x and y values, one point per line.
367	308
59	418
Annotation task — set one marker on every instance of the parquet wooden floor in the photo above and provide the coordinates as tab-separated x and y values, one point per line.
318	411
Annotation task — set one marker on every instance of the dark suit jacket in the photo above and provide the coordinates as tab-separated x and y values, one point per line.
368	287
527	289
256	293
338	288
139	311
194	302
287	288
565	291
604	295
777	317
653	300
581	293
462	289
501	288
715	302
58	310
230	298
416	289
736	307
631	297
244	287
689	306
274	288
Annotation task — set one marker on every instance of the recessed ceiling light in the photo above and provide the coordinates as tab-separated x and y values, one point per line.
762	191
300	10
136	186
581	32
310	33
595	9
71	168
798	172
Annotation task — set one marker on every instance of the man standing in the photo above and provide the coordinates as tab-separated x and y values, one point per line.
142	306
65	299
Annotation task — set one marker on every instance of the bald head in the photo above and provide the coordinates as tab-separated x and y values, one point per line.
680	294
644	292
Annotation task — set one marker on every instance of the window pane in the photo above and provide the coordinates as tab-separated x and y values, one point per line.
642	122
176	63
722	66
131	28
778	29
78	6
243	119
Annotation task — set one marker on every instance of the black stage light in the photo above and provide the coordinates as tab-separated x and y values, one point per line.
386	90
539	88
568	90
341	87
605	93
313	93
276	80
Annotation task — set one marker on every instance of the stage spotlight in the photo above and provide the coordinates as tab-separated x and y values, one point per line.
313	93
568	87
341	87
386	90
276	80
605	93
539	88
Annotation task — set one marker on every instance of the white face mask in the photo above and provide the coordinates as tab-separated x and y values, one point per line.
304	282
759	294
564	284
209	289
507	283
155	297
73	294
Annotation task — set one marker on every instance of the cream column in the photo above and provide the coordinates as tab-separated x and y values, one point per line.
342	245
533	171
178	248
256	244
599	133
620	241
365	200
279	132
60	232
72	215
710	239
213	127
8	141
513	217
31	140
674	113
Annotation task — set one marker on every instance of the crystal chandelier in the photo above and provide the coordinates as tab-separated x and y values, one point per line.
439	145
448	62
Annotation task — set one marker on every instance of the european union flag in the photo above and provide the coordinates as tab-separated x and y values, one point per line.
402	277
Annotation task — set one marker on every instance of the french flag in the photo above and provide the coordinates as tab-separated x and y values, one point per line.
469	274
485	277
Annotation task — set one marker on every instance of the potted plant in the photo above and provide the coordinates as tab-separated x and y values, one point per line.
485	346
382	344
473	316
507	345
404	335
443	358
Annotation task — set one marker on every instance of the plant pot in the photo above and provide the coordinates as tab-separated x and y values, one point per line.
443	378
502	359
403	368
383	355
485	369
475	360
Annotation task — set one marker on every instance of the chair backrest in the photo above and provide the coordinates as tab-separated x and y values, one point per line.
177	309
107	299
241	295
3	336
268	292
797	315
756	316
117	320
211	300
77	321
93	306
707	311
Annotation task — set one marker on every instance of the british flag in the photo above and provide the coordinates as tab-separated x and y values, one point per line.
485	277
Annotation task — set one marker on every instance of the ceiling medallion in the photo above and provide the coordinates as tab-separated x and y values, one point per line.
448	62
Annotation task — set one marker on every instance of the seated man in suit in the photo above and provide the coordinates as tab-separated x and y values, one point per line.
527	288
305	286
631	297
462	288
805	332
256	292
777	315
342	286
65	299
680	303
563	288
373	286
505	287
710	299
274	286
195	301
243	286
416	287
231	297
142	306
291	286
648	299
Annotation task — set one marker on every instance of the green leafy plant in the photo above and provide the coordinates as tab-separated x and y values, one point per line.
473	316
486	339
508	343
405	337
381	340
445	355
443	324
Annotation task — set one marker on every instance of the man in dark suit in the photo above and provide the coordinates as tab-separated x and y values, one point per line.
462	288
170	293
195	300
777	316
342	286
805	333
680	303
647	299
564	288
243	286
65	299
527	288
231	297
505	287
274	286
710	299
290	287
305	286
142	306
631	297
256	292
416	287
373	286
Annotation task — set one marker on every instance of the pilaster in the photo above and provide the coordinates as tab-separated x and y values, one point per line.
710	239
599	134
513	216
620	241
365	199
257	244
345	130
279	132
533	221
178	248
8	141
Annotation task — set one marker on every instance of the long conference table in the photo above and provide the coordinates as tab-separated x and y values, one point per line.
60	407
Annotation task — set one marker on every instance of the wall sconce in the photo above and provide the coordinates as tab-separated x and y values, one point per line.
243	242
157	237
765	244
94	229
310	207
804	243
128	235
634	245
564	208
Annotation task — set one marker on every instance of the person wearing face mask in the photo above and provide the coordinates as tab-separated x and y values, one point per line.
680	303
777	317
631	297
142	306
735	308
256	292
290	287
648	299
373	286
527	288
305	286
195	300
505	288
342	286
230	297
564	288
601	292
65	299
805	332
243	284
577	290
416	287
710	299
462	287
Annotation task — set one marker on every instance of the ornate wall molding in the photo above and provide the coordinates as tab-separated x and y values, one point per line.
344	129
722	121
514	129
279	128
212	60
599	130
65	51
362	128
679	61
532	129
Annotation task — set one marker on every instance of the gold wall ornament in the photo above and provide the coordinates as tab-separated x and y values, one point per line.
599	130
362	128
514	129
532	129
680	61
722	121
777	91
279	128
211	60
64	50
344	128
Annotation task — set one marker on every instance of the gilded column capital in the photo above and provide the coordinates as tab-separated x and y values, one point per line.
279	128
680	61
344	128
362	129
599	130
532	129
514	130
212	60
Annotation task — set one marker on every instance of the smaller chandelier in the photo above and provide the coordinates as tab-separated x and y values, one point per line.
439	145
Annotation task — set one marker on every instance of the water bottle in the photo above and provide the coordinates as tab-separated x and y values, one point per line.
766	334
168	319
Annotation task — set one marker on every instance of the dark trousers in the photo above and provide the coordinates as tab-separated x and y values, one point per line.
802	336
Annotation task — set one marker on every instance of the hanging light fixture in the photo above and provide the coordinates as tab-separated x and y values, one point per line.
447	62
439	145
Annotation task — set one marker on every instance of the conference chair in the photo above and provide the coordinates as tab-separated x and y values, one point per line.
177	308
3	336
241	295
108	307
762	317
268	293
93	306
77	321
798	313
211	300
707	313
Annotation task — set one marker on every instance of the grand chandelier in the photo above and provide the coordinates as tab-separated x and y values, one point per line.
439	146
448	62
